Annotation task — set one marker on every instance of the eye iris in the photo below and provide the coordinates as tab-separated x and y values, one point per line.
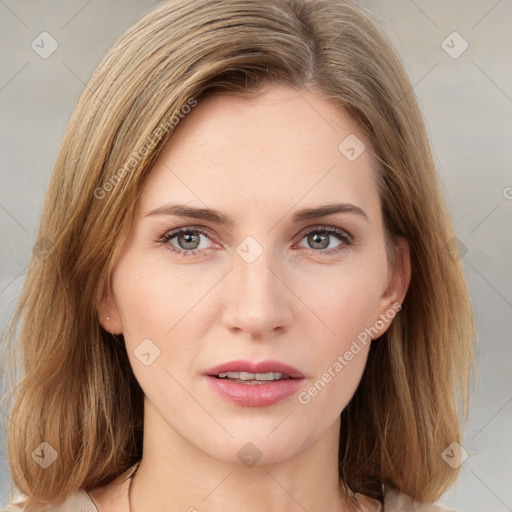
316	238
189	239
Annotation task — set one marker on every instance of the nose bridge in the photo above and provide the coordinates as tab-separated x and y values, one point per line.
258	302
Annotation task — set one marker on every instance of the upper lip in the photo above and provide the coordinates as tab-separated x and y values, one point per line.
267	366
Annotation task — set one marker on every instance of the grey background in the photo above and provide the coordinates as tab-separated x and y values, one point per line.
467	103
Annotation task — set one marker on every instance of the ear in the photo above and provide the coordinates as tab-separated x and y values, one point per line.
108	314
398	283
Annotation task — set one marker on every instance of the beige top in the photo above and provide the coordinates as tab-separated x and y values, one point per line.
81	501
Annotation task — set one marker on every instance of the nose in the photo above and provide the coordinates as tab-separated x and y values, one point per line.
257	301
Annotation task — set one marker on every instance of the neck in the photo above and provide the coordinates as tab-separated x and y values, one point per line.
176	476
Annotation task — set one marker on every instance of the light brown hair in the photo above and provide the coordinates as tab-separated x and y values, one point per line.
78	392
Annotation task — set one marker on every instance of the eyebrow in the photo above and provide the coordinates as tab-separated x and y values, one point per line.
209	214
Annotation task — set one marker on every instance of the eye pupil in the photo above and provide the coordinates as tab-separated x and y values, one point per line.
316	238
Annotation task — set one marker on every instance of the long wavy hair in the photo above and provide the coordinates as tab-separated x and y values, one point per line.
77	391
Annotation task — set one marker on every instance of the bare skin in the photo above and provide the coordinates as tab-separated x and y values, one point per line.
257	161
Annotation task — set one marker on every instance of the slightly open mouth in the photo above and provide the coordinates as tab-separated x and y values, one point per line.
252	378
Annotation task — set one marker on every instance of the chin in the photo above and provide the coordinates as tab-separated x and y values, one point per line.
254	447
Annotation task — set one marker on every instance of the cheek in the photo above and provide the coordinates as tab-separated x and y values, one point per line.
163	314
339	356
152	300
345	303
345	311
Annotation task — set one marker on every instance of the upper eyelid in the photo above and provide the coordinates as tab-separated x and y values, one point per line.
326	227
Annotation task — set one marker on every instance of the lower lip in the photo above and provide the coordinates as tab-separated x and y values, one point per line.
254	395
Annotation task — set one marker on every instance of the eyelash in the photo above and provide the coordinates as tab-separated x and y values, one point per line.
340	234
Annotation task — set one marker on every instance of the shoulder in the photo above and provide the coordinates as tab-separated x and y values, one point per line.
397	502
80	501
394	501
113	496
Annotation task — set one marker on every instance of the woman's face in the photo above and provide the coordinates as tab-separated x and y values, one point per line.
257	282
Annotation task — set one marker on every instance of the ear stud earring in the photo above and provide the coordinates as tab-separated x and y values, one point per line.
108	318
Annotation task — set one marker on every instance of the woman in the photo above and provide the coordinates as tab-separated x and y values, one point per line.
242	297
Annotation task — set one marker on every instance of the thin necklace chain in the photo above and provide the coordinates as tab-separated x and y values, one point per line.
130	494
132	476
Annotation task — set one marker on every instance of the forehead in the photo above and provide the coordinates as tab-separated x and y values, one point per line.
282	147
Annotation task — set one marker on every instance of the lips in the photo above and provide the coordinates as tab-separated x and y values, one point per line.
250	384
268	366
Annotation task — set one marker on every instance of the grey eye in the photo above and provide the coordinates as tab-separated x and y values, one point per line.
318	241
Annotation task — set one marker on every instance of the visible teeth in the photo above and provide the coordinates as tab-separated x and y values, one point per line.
253	376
